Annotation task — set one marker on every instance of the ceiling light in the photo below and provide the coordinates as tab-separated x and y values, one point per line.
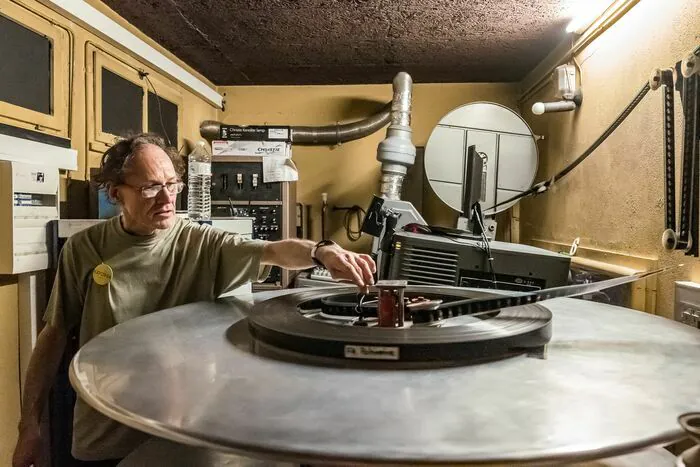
584	13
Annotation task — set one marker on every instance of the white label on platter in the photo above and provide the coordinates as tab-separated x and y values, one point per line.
369	352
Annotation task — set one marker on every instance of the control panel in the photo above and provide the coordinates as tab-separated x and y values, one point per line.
242	181
267	220
238	190
267	223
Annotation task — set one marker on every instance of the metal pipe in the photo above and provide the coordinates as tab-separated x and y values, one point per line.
321	135
324	210
401	102
540	108
210	130
397	152
335	134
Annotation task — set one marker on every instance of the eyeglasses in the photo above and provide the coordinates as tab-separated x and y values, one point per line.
152	191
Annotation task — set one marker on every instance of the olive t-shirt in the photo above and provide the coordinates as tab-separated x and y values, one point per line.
106	276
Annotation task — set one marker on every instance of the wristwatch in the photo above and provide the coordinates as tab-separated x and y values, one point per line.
320	244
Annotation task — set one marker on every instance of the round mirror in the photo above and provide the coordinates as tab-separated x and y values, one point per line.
503	140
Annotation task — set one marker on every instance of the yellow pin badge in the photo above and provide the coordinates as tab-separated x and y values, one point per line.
102	274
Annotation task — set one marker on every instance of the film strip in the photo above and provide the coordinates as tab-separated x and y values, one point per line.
684	235
477	307
690	156
669	148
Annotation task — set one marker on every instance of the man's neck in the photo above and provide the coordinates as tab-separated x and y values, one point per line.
133	228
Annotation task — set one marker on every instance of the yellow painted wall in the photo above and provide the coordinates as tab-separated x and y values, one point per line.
350	173
614	200
9	369
195	110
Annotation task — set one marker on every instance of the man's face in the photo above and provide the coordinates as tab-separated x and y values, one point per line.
150	166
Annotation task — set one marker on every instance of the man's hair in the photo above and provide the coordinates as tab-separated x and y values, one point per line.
115	161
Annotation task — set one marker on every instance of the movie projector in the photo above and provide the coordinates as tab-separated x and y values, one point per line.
478	157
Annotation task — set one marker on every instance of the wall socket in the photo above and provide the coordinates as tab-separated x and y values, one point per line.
687	303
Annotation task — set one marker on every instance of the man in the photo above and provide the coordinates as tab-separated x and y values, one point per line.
145	260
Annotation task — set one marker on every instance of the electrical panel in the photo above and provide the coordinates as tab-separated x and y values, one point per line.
267	220
238	191
687	303
28	202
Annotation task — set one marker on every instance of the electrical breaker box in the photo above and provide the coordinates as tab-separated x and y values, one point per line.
28	202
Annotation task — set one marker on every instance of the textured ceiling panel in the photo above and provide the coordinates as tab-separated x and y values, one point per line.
249	42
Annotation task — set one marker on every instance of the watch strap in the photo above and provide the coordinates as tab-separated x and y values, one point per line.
315	248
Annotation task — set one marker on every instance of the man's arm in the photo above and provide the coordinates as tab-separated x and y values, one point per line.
289	254
41	373
342	264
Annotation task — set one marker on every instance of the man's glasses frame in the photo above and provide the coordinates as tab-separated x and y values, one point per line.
151	191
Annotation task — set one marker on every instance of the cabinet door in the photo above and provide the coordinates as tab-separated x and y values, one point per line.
34	71
125	98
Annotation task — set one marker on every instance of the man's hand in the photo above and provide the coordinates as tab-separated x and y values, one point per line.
29	445
346	265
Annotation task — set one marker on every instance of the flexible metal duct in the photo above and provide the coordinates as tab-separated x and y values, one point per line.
335	134
210	130
321	135
397	112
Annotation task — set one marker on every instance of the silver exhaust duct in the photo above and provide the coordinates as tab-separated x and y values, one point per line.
319	135
397	152
210	130
336	134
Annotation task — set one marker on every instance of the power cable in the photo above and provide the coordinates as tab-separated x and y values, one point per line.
544	185
143	74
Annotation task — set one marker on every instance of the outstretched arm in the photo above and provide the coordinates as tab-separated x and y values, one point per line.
341	263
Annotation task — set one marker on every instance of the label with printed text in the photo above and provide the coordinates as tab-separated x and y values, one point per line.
371	352
199	168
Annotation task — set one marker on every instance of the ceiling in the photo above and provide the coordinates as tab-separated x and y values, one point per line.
285	42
